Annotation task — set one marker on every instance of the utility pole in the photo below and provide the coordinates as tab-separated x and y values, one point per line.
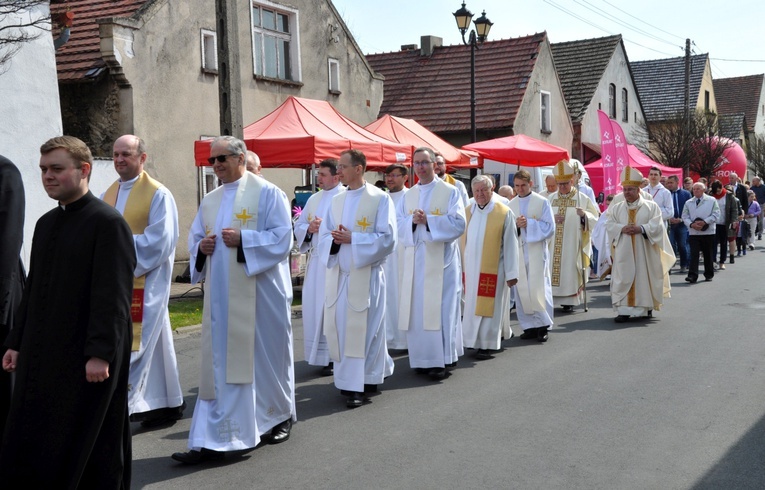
687	102
229	74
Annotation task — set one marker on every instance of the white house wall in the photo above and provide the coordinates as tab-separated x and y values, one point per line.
31	115
617	72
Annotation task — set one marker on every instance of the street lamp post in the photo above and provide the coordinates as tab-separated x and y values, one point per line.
478	35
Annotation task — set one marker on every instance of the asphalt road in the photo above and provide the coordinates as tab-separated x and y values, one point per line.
674	402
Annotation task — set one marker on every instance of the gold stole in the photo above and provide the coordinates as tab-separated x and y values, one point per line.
434	260
358	281
563	203
240	341
631	217
136	214
491	250
449	179
531	282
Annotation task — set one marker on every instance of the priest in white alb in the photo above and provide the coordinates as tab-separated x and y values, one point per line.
357	235
307	236
154	389
640	252
396	176
431	219
491	267
533	292
239	244
575	218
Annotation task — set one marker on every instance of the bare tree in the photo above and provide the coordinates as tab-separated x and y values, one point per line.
755	154
693	144
20	23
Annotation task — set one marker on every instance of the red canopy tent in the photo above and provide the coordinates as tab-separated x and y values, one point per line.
303	132
638	160
411	132
519	150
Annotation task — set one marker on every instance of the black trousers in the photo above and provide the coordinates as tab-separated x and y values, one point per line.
706	245
721	242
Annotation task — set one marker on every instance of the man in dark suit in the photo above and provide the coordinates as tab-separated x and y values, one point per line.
678	232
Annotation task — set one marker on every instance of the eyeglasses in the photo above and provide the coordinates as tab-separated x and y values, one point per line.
221	158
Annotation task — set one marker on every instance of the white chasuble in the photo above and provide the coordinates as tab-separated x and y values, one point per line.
571	248
393	268
432	265
314	340
533	293
640	262
491	259
354	319
238	413
154	382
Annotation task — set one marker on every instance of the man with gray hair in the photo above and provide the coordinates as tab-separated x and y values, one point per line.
239	244
490	264
253	163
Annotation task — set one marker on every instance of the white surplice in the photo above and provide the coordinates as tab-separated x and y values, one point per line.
154	381
538	232
434	348
480	332
314	341
241	413
352	373
396	338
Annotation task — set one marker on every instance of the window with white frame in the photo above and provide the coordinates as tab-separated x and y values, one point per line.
545	112
209	51
274	41
334	75
625	108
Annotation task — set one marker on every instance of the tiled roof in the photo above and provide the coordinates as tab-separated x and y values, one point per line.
435	90
661	83
580	66
739	95
80	58
730	125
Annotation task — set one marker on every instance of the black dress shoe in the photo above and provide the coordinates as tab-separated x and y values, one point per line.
161	416
196	457
422	370
690	279
437	373
370	388
568	308
542	334
483	355
451	365
529	334
355	400
280	432
328	370
708	279
621	318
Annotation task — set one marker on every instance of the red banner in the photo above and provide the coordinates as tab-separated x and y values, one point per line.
622	156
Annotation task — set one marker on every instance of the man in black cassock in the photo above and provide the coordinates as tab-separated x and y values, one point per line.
11	267
70	343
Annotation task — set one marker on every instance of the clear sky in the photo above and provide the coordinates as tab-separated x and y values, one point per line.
651	29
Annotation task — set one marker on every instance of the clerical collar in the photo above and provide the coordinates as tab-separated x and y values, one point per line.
432	182
127	182
524	197
357	190
78	204
232	185
482	207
